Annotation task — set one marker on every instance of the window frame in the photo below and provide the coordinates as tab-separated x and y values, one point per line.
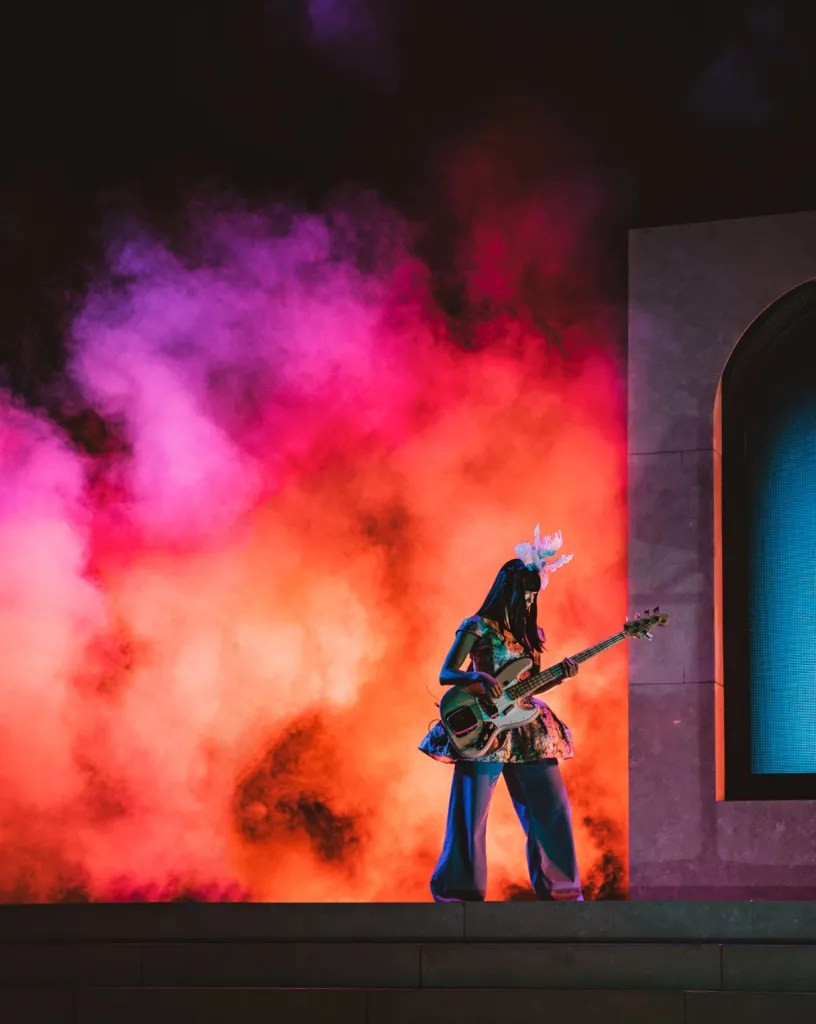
791	314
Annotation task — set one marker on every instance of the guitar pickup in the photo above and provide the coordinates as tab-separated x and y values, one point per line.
462	721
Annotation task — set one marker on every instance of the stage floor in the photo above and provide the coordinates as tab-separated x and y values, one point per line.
667	962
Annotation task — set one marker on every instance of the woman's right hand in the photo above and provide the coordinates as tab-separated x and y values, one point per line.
484	686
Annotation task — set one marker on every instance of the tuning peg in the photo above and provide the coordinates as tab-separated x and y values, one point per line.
648	636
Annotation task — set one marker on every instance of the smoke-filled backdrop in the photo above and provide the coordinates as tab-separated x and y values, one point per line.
223	622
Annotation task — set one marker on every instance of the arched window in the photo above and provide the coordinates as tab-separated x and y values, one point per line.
768	410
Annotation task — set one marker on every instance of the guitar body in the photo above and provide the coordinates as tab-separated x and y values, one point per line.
475	724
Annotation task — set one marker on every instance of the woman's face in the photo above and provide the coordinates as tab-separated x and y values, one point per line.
529	597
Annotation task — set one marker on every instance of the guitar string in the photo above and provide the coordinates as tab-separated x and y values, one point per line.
527	686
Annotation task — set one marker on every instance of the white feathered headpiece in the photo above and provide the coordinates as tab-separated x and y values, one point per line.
534	555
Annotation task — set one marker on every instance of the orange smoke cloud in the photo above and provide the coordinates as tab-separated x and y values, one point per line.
221	633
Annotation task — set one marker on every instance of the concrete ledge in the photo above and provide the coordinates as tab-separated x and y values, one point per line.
30	1006
400	1006
783	922
179	1006
769	968
572	965
750	1007
241	922
214	1006
486	1006
283	964
626	921
631	921
69	964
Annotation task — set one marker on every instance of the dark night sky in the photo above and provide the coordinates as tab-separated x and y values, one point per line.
687	111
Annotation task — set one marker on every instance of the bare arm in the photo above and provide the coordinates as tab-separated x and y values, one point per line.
474	682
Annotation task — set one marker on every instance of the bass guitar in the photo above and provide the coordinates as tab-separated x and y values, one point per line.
475	723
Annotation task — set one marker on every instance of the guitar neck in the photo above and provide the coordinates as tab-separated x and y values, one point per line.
551	677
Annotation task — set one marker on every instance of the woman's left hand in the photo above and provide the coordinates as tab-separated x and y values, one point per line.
570	667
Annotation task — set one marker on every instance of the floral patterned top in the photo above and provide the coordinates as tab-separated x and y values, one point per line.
545	737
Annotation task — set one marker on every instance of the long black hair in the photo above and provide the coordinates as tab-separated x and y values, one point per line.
505	602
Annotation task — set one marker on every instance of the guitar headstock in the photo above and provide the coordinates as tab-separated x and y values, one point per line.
639	627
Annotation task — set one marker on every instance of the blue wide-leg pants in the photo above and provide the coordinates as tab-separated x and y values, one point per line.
540	799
